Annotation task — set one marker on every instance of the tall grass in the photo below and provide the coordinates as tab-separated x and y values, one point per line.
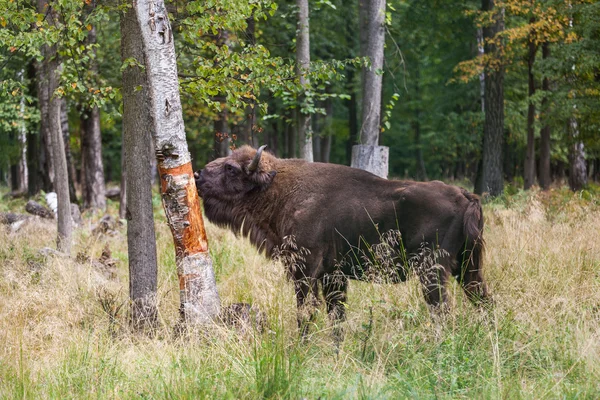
64	334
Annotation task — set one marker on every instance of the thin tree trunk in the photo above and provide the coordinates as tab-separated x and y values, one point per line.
544	167
421	170
529	169
22	171
351	104
318	123
64	123
577	166
61	173
328	136
493	131
92	168
222	140
291	133
199	297
302	66
136	186
249	136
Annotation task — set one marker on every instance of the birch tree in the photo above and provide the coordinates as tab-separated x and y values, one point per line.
302	65
199	298
368	155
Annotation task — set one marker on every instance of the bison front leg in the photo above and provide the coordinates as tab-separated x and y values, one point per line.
433	279
335	287
306	300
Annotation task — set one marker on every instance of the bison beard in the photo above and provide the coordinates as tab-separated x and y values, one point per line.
329	219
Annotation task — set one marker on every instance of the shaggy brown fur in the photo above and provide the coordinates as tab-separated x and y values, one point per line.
328	219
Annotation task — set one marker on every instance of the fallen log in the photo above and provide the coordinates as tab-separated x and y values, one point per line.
35	208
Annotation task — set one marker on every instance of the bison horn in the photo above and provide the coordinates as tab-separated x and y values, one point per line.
254	164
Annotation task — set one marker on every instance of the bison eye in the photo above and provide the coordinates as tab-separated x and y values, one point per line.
231	169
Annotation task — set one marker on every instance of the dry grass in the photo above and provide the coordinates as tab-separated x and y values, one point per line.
63	323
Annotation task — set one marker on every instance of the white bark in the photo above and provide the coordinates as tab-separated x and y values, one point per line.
305	134
199	298
369	155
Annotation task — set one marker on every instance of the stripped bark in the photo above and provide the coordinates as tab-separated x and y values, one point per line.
199	298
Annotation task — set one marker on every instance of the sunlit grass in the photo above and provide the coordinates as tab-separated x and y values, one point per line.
540	341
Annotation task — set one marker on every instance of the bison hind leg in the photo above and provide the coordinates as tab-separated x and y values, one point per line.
335	287
468	274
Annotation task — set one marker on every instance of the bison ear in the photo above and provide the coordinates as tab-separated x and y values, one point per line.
263	179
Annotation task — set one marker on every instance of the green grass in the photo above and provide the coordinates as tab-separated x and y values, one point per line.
540	341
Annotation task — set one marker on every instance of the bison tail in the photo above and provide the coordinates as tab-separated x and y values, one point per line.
471	259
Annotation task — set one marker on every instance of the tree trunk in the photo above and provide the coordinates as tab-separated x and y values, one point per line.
302	66
249	137
222	140
64	124
371	101
46	166
421	170
199	298
493	131
61	173
529	169
123	192
577	166
136	180
291	134
544	167
351	104
92	168
328	138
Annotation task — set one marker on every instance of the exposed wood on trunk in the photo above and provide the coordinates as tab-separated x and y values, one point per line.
136	186
200	301
492	180
302	66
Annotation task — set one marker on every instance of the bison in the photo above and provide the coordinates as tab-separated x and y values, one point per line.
329	219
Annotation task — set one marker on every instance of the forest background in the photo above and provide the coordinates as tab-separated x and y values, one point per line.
236	65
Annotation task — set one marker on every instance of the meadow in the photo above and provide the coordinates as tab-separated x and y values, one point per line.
64	326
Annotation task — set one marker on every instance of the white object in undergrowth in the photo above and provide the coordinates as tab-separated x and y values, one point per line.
52	201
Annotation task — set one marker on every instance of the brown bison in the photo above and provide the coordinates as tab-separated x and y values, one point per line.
334	222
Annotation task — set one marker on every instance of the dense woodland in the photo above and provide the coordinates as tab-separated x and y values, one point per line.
534	62
107	108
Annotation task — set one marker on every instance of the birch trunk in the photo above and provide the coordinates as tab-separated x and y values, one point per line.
199	298
369	155
302	65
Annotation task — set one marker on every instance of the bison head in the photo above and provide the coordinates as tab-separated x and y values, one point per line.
231	178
